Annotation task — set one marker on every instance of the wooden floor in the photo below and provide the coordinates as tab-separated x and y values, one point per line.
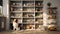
30	32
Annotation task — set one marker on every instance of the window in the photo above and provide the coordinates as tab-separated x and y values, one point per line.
1	11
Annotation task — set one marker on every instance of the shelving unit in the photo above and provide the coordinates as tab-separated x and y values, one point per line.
52	11
27	12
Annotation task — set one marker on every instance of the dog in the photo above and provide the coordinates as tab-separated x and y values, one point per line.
15	25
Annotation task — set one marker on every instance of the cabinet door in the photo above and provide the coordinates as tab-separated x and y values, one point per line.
2	23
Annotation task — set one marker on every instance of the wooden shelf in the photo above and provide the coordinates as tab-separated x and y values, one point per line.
27	0
28	17
16	11
15	0
52	8
52	12
28	23
15	17
16	6
28	10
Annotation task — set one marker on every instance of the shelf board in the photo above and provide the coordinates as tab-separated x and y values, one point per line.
28	17
29	23
52	8
16	18
38	17
28	11
18	23
27	0
38	0
52	14
52	18
39	12
39	6
33	0
28	6
15	0
16	6
38	24
16	11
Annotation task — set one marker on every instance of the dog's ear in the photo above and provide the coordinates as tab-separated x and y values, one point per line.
16	21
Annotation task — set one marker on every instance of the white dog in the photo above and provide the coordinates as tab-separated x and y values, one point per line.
15	25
